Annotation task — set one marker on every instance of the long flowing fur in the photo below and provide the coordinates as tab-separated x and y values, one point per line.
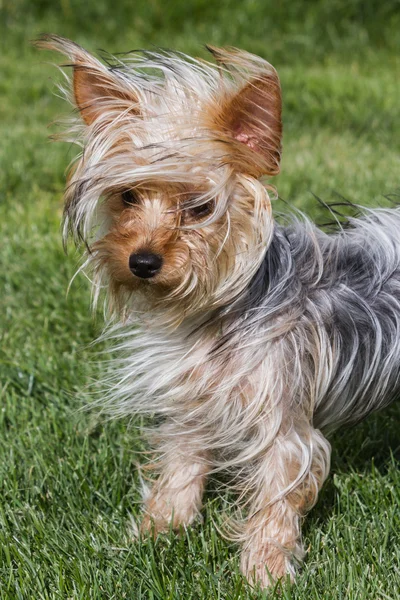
254	337
330	299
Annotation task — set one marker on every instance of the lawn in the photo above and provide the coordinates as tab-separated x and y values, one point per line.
68	479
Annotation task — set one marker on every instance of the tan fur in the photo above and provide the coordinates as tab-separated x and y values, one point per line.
176	497
273	530
199	135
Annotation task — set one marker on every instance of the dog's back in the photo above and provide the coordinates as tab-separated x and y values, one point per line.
345	289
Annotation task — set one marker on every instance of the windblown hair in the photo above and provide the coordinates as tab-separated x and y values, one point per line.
164	120
252	337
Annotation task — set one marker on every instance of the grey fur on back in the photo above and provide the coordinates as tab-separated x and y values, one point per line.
342	290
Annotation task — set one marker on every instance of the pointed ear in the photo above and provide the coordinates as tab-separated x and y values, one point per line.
96	88
96	91
251	116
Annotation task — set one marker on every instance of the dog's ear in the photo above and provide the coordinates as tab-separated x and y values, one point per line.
253	118
96	88
252	115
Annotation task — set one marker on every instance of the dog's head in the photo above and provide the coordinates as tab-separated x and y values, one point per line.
166	192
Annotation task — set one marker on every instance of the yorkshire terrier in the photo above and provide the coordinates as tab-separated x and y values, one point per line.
249	339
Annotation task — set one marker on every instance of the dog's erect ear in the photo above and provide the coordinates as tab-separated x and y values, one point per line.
96	88
252	116
96	91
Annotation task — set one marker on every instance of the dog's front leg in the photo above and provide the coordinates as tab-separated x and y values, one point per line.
285	486
176	496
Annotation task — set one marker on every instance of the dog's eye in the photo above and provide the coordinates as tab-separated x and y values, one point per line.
201	211
129	198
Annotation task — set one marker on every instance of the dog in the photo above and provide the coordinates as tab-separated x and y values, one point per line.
250	340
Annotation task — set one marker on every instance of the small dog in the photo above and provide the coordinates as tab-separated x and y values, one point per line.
247	338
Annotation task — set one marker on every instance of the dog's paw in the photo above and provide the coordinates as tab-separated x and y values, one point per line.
266	563
165	513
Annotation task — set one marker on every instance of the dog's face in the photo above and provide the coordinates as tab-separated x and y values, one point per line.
162	242
166	192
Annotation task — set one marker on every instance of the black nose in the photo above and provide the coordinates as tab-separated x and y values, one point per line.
145	264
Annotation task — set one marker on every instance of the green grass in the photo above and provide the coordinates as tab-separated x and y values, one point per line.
68	482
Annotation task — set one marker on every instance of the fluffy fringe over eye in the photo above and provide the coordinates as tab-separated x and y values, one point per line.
164	116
